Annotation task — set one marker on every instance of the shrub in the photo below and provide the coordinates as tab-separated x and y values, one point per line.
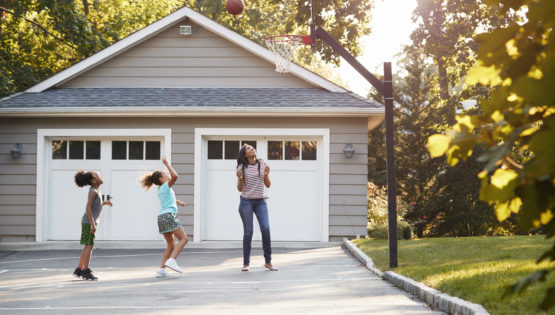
406	230
381	231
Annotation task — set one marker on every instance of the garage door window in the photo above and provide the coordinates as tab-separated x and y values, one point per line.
227	150
75	150
135	150
292	150
309	150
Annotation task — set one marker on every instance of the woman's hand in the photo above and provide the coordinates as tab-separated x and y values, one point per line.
181	203
266	170
164	159
93	228
107	202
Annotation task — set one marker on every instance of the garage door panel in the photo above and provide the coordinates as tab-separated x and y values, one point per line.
134	212
67	205
221	220
293	206
294	203
133	216
292	166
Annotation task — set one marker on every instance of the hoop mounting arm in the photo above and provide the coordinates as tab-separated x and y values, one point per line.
321	33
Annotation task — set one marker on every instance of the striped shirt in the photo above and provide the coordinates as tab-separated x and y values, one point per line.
253	184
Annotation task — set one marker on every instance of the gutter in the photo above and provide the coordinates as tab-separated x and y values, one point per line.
166	111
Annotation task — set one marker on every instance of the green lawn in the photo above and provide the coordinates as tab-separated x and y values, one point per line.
475	269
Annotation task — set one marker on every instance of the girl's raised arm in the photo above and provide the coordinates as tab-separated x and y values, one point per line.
173	173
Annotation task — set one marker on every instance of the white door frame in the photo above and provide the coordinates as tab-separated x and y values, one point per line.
43	151
201	132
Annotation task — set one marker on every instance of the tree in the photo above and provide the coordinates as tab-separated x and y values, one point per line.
41	38
457	210
446	32
517	62
415	117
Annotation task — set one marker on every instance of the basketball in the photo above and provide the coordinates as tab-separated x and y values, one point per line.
234	6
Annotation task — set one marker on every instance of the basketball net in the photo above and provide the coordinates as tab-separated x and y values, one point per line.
283	47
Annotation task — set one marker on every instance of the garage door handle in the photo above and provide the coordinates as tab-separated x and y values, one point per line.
107	197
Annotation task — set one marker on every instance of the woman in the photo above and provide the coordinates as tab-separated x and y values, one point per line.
252	176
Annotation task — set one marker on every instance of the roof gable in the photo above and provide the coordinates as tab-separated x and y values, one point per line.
92	64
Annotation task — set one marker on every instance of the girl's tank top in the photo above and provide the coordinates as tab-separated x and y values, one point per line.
96	207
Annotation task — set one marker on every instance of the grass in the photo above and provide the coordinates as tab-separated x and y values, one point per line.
476	269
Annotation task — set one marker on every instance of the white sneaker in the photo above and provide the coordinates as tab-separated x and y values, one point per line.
171	263
162	273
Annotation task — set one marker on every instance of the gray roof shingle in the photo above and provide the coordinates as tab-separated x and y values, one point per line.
186	97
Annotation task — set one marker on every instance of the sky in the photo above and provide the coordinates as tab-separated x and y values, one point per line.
391	26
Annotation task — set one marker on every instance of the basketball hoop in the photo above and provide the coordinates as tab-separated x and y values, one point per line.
283	47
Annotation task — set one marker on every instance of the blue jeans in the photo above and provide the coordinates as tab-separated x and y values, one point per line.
246	208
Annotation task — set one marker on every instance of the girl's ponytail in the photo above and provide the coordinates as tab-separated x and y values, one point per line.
83	178
150	179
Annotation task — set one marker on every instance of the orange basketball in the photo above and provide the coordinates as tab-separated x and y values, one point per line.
234	6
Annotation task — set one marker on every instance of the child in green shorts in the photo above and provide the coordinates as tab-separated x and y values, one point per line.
90	220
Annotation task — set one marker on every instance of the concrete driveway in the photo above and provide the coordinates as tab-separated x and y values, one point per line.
323	280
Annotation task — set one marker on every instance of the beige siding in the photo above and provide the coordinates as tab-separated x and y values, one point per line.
347	177
17	184
202	59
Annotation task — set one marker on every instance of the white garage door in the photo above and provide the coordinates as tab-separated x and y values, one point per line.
294	203
120	162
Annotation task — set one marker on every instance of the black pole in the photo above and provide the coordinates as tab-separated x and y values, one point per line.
386	88
390	158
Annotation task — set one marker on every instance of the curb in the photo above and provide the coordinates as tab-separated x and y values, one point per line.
434	298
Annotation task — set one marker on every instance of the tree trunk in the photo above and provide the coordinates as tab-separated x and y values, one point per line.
442	77
86	7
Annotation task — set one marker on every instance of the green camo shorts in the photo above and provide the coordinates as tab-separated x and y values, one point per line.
87	238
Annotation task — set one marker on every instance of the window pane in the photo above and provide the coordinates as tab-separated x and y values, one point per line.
136	150
215	149
231	150
152	150
292	150
93	150
251	143
275	150
309	150
76	149
59	150
119	150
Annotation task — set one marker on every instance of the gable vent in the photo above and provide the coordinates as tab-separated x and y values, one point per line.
185	30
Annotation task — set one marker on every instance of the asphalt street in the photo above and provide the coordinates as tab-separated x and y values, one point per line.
325	280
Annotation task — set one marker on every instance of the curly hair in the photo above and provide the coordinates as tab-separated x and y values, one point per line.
149	179
83	178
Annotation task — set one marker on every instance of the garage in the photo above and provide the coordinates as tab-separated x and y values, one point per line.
121	161
295	199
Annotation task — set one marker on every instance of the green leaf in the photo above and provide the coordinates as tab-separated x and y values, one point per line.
524	283
502	177
483	75
548	254
437	145
502	211
494	154
549	299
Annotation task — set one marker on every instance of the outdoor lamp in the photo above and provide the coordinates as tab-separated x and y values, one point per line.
349	150
16	151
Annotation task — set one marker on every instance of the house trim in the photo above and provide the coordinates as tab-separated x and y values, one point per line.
168	111
201	132
42	167
163	24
